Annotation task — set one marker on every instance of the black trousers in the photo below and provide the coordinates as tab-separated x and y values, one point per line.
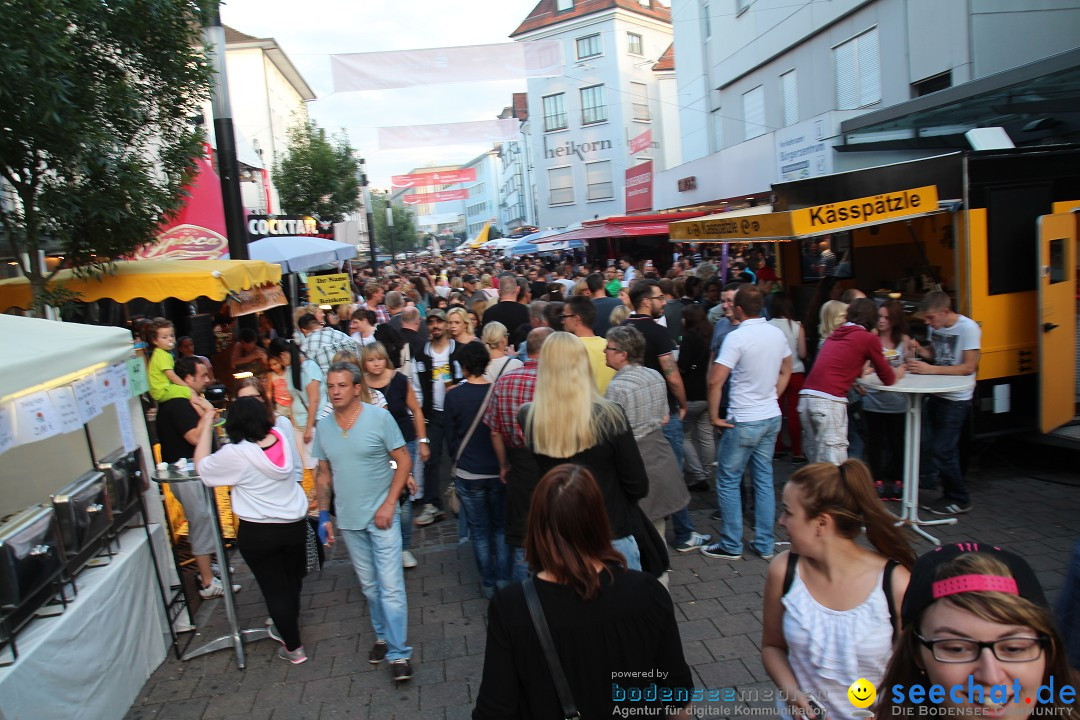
277	556
885	445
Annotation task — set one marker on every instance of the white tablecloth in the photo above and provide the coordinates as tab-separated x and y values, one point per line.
92	661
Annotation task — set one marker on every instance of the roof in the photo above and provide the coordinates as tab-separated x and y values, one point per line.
667	60
237	40
544	14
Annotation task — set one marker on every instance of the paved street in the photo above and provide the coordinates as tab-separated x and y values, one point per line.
1031	510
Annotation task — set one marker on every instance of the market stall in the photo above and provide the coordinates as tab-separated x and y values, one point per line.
68	400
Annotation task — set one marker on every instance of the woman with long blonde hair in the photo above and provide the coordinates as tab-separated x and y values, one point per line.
460	325
832	315
568	421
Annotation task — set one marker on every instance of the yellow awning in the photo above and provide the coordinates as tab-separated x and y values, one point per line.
811	221
155	280
481	237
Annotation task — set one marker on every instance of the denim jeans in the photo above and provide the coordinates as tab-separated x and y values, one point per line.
943	420
699	441
484	502
405	509
376	557
680	520
436	432
748	443
519	569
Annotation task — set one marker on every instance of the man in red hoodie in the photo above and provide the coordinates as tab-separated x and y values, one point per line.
822	401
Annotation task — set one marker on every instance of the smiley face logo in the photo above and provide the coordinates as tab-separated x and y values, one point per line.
862	693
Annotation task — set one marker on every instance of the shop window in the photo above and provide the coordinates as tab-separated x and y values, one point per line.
555	112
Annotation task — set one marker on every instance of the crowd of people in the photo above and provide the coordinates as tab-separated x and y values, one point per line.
572	410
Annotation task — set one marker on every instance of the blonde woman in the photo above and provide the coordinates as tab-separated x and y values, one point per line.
487	288
584	429
497	341
367	395
832	315
620	313
460	324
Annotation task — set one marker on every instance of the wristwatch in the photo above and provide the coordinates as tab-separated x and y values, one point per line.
424	440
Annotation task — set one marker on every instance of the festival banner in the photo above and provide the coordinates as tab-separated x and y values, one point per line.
435	197
431	179
639	181
641	142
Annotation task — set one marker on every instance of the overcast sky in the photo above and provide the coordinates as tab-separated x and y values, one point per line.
309	31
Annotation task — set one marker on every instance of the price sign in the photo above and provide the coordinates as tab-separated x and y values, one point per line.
67	410
35	418
7	428
87	398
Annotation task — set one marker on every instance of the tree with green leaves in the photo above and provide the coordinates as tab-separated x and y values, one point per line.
404	235
318	175
96	101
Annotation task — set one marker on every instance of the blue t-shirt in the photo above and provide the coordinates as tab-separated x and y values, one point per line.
360	463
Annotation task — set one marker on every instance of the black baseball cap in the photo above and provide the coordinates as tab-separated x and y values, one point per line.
925	587
469	279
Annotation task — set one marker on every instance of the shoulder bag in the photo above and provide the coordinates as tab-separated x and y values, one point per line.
562	687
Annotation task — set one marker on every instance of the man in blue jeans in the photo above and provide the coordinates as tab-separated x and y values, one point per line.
358	441
757	358
954	350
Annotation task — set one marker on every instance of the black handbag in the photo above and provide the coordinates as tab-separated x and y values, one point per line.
653	550
562	687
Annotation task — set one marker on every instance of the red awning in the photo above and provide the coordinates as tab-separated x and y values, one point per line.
625	226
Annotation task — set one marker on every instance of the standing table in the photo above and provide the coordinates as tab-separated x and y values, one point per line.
236	636
914	387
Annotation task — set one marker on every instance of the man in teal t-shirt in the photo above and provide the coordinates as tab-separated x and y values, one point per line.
354	446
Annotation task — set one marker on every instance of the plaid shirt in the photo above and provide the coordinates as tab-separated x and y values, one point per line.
322	345
512	390
382	315
642	393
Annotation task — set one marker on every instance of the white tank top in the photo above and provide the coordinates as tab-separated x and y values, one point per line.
829	649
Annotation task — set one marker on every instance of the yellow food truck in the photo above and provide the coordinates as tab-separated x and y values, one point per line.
997	230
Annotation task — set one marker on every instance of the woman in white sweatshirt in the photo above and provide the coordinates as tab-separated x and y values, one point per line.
260	466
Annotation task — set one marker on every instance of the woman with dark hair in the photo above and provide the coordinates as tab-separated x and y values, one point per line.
828	601
260	464
884	411
975	617
783	317
305	384
602	617
699	439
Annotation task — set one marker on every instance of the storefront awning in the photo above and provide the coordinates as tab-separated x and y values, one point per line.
809	222
627	226
155	281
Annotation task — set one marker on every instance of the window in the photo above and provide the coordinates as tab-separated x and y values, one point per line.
477	189
932	84
706	23
592	105
560	186
598	181
564	5
789	95
554	112
639	96
858	72
634	44
753	103
588	46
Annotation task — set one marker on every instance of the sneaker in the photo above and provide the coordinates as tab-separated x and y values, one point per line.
946	506
216	570
378	652
798	460
215	589
767	557
272	631
402	669
716	550
428	514
696	540
296	656
408	560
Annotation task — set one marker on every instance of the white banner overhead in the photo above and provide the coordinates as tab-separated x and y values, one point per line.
479	131
433	66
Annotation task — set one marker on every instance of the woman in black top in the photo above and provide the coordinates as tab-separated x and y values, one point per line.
379	373
613	629
699	437
581	427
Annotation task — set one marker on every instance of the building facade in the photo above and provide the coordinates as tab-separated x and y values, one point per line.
581	122
482	205
516	202
765	85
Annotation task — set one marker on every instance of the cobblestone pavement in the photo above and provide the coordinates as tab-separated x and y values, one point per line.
1033	511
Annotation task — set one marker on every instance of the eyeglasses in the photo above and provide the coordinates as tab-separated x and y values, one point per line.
566	316
612	349
1011	649
656	297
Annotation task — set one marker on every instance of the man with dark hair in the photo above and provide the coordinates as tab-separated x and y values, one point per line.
469	286
374	294
355	445
577	317
322	343
512	314
246	353
954	350
178	433
758	360
362	327
823	402
516	462
603	304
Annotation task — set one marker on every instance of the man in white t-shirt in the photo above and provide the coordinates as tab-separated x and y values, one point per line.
954	350
757	358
